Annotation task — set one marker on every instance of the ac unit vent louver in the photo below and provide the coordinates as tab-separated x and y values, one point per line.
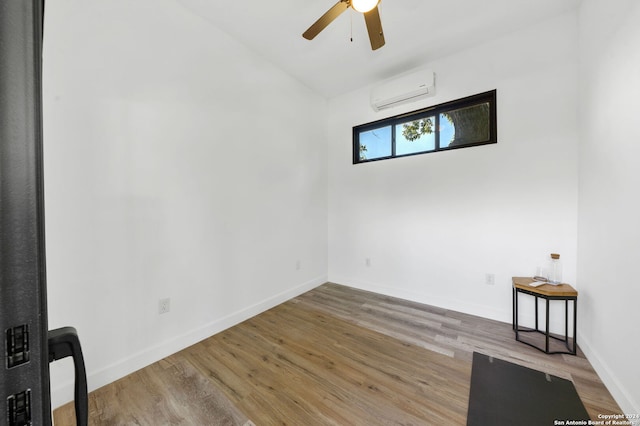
403	89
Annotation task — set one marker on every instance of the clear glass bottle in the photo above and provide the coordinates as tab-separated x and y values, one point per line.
555	269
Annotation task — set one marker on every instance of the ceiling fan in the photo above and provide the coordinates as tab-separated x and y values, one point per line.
371	17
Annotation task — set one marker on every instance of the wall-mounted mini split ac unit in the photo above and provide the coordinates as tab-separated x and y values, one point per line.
403	89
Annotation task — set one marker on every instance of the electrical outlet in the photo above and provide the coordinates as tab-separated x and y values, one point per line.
490	279
164	306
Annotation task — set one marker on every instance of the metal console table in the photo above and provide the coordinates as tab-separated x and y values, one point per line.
548	292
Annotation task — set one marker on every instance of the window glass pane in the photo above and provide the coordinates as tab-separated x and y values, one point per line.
375	143
465	126
447	131
416	136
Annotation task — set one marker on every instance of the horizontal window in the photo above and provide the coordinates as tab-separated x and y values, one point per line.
461	123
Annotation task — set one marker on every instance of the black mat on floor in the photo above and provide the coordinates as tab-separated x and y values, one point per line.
503	393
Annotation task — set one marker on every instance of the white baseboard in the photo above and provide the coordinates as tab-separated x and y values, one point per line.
96	379
504	315
451	304
610	380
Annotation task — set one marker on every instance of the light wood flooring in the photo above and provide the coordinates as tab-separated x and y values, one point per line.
332	356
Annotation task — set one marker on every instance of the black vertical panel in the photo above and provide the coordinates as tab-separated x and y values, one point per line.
24	370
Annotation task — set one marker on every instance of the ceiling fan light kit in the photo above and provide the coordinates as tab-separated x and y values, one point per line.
364	6
369	8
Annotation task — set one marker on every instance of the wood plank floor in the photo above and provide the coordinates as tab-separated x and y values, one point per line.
332	356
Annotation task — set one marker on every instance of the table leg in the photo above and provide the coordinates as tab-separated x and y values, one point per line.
566	322
536	312
575	317
515	312
546	334
513	308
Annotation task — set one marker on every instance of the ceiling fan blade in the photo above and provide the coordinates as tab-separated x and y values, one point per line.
374	27
326	19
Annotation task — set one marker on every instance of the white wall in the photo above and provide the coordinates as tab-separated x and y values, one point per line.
177	164
433	225
609	207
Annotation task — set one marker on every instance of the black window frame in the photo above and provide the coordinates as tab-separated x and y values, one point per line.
436	110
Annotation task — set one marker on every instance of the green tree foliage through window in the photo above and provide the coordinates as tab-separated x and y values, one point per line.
413	130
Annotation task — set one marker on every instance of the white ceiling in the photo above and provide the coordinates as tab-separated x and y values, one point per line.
416	32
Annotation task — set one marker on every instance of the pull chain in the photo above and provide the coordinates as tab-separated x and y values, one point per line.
351	28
